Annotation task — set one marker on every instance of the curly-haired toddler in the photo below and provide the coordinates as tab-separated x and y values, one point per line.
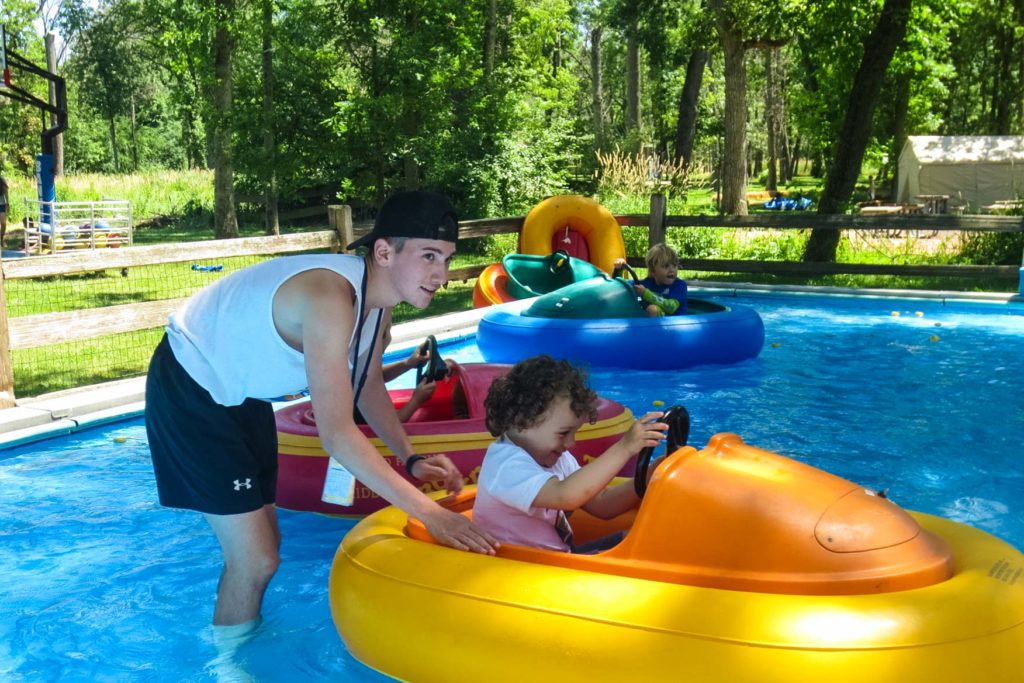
529	480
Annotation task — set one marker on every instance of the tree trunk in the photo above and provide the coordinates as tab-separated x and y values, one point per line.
58	140
225	218
783	148
856	130
734	171
272	224
633	84
556	56
134	132
686	125
782	130
490	36
113	144
794	160
899	127
772	182
190	142
1003	85
597	88
775	119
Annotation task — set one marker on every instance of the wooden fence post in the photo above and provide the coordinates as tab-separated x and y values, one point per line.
339	217
656	222
6	367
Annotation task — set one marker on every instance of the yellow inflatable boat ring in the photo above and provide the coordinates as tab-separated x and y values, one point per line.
740	566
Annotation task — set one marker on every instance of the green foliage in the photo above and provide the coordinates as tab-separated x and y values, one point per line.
693	242
20	125
992	248
153	194
498	246
782	245
373	97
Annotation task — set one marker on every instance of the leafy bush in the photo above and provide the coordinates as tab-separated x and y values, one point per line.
500	245
694	242
999	248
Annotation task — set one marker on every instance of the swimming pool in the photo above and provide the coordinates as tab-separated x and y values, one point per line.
102	584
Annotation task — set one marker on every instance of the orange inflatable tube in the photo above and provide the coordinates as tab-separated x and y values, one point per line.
491	287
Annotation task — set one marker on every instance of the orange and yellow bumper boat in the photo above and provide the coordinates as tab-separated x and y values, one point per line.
577	226
451	422
740	566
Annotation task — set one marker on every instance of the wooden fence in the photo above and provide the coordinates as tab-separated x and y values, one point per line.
50	328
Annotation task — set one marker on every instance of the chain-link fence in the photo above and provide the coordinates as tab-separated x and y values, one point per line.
80	362
94	316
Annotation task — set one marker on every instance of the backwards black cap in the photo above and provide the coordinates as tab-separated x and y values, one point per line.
416	213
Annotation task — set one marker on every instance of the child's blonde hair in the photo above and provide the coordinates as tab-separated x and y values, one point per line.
662	255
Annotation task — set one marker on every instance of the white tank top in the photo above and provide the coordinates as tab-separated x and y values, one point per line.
224	336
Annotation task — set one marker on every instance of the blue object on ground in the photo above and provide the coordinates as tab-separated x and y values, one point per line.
208	269
780	203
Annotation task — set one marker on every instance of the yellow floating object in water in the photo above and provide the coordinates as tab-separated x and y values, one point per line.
120	439
641	611
657	404
919	314
776	345
895	314
935	338
556	219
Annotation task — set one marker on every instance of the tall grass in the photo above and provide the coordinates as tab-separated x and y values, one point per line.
152	193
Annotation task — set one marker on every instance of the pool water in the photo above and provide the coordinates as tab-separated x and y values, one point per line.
102	584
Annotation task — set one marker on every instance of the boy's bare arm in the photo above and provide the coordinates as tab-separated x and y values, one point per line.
327	320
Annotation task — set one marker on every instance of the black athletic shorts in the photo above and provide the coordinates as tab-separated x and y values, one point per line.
216	459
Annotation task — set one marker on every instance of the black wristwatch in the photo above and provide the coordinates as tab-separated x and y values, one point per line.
413	459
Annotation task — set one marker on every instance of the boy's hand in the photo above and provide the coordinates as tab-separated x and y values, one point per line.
640	289
420	355
439	468
645	433
456	531
423	392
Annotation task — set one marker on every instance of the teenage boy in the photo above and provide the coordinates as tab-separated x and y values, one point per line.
286	326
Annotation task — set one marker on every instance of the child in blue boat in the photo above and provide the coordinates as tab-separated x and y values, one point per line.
662	292
529	481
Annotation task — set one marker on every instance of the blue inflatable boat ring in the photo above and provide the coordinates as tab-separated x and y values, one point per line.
600	322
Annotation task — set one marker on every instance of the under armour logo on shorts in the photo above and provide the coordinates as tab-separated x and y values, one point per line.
239	484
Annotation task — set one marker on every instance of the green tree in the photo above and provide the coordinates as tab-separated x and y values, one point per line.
225	220
879	48
20	124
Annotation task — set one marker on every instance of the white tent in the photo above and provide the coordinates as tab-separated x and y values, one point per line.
976	170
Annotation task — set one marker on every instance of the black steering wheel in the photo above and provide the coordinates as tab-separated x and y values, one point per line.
559	262
678	421
625	267
434	369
